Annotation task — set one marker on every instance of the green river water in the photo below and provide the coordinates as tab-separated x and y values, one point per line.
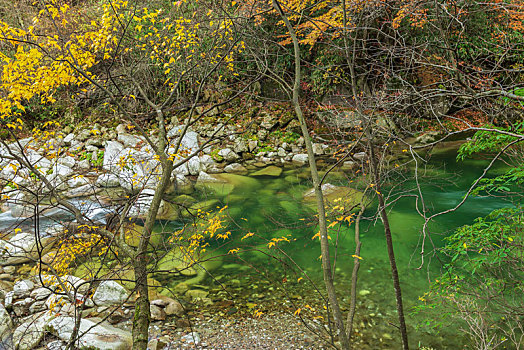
272	207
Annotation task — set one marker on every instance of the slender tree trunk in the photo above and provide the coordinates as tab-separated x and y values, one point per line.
141	317
324	243
389	241
354	275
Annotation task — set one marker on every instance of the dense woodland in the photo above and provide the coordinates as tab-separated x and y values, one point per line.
169	169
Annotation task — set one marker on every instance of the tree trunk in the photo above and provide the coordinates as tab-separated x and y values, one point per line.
354	274
389	241
141	318
324	243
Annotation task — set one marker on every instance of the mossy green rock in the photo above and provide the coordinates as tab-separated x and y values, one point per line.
199	207
184	199
168	211
272	171
134	232
349	196
239	181
174	262
223	184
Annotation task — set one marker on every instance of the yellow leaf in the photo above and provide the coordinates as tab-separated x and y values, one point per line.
356	256
247	235
296	313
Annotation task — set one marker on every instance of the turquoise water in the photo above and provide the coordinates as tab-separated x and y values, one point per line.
273	207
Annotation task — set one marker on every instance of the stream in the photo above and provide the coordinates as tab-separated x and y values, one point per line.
273	208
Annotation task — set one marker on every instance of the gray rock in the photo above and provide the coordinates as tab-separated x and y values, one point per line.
77	181
206	161
23	288
228	155
8	300
262	134
37	306
55	230
84	165
96	142
59	171
426	138
174	308
268	122
142	204
157	313
94	337
318	149
71	283
252	145
41	293
83	135
108	180
120	129
6	324
157	344
194	166
112	154
281	152
360	156
76	145
236	168
19	249
348	164
21	307
129	140
300	159
55	302
91	148
30	333
9	269
68	139
240	146
110	293
67	161
188	145
82	191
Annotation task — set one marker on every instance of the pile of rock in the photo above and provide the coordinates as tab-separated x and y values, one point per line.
38	306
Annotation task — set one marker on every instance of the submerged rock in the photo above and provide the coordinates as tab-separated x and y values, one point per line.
199	207
349	196
271	170
213	184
